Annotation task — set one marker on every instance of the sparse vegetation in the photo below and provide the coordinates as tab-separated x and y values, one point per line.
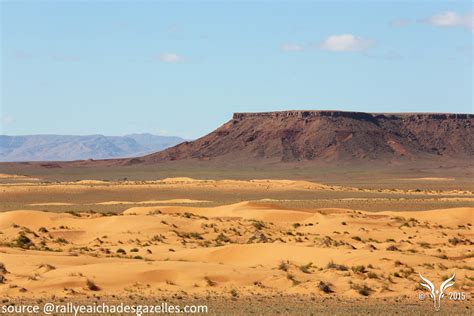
259	225
325	287
292	278
306	268
335	266
121	251
359	269
210	282
3	269
234	293
91	285
392	248
61	240
24	242
283	266
363	290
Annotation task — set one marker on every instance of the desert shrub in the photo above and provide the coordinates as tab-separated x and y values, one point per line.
195	235
372	275
3	270
43	230
362	289
23	241
306	268
325	287
424	245
121	251
407	272
292	278
283	266
61	240
234	293
74	213
159	238
392	248
258	225
210	282
222	238
134	250
357	238
340	267
47	266
359	269
91	285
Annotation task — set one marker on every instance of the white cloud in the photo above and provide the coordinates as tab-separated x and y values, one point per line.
171	58
291	47
401	22
346	43
452	19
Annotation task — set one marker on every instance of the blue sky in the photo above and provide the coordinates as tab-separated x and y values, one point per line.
182	68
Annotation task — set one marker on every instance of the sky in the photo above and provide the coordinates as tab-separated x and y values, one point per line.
184	67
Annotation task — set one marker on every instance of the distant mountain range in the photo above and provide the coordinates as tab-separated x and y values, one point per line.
70	147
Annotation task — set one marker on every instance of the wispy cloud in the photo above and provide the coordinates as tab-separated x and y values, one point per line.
452	19
292	47
346	43
171	58
400	22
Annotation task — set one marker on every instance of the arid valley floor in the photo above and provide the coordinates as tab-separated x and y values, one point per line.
240	246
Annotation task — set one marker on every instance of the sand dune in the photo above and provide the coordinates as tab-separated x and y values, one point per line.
248	246
449	217
246	210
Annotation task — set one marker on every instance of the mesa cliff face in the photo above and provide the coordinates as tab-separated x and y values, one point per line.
329	136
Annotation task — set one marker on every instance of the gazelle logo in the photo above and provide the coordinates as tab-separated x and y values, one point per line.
436	294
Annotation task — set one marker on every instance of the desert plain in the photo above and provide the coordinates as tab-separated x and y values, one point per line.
262	246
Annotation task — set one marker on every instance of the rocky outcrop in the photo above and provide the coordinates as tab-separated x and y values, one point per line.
290	136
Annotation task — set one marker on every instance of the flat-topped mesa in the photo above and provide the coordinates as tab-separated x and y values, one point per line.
330	137
303	114
354	115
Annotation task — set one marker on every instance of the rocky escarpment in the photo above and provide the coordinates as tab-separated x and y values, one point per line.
329	136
